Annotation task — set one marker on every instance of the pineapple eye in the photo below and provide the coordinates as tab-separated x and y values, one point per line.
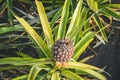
67	43
62	50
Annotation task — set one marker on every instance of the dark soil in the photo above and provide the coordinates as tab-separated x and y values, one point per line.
108	56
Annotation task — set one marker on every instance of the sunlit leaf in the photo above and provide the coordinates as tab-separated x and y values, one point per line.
45	24
83	15
94	74
100	25
111	5
86	59
111	12
93	4
35	36
63	21
78	65
24	61
83	44
55	76
23	77
82	19
71	75
86	68
75	19
33	72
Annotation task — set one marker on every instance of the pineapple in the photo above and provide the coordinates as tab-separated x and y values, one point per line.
63	50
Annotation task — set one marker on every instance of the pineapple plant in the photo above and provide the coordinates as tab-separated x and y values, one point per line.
58	49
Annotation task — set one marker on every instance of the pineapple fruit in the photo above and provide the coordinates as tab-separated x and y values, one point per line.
63	50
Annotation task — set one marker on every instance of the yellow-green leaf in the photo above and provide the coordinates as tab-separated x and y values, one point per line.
33	72
55	76
45	24
34	36
92	4
63	21
78	65
75	19
83	44
71	75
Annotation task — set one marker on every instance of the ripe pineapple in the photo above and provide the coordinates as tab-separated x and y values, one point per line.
62	50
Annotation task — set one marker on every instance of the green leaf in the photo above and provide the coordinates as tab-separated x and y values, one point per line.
93	4
33	72
35	36
9	67
87	29
91	70
23	54
9	29
71	75
0	0
83	15
54	19
111	13
55	76
104	1
9	8
63	21
111	5
81	20
81	25
86	59
83	44
75	19
42	74
73	5
94	73
25	61
23	77
45	24
78	65
102	31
